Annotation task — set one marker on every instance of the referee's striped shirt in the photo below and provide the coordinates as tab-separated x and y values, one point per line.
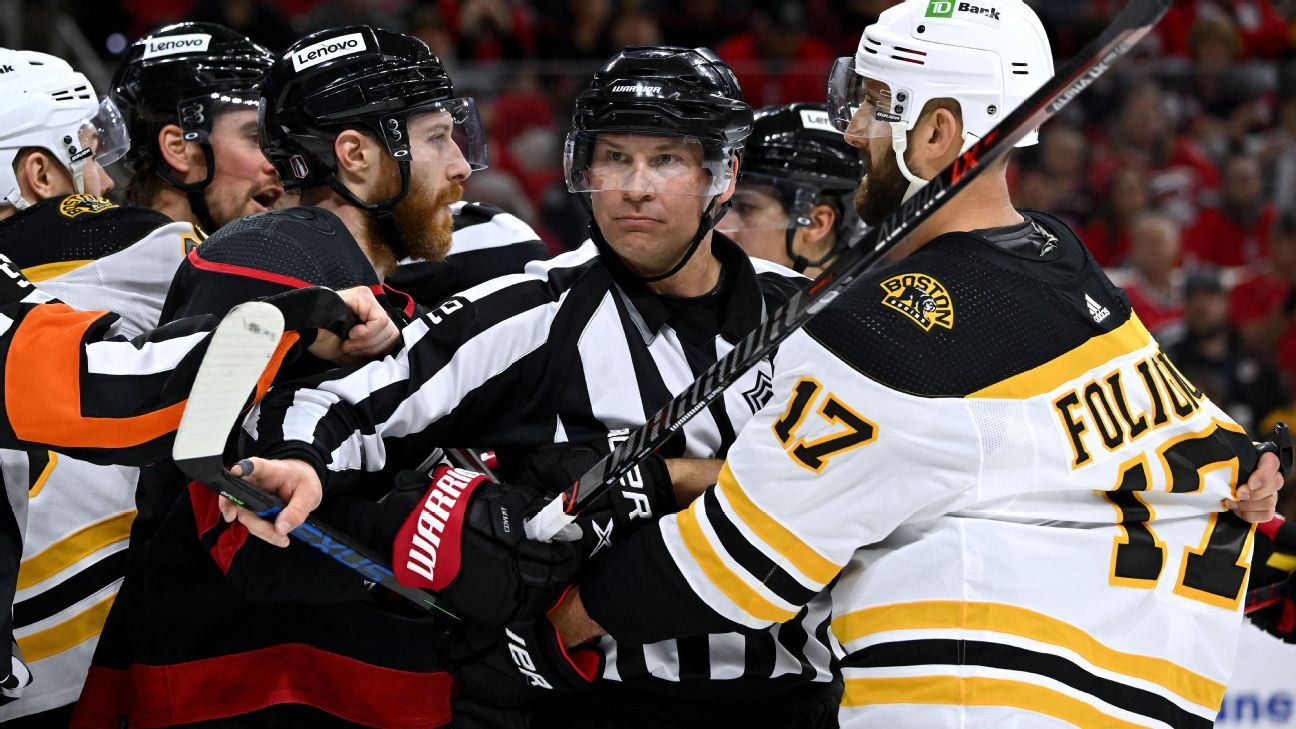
572	348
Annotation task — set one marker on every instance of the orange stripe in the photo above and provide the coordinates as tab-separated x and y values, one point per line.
43	387
286	343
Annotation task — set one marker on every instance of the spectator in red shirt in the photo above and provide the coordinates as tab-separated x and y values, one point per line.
1179	173
1262	307
1108	232
778	61
1236	232
1262	29
1153	286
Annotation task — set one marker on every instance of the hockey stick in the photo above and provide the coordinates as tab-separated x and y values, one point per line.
236	357
1132	24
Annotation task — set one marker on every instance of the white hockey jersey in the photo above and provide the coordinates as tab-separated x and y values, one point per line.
93	255
1013	496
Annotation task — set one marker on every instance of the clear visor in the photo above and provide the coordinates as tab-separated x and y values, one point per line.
863	107
762	202
197	114
438	130
644	163
104	135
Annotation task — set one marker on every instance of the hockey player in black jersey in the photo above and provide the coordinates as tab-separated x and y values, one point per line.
189	93
573	350
365	123
795	199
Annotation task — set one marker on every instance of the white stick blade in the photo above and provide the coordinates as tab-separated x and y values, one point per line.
240	349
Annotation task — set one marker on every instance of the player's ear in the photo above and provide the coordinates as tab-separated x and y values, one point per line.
41	177
357	159
177	155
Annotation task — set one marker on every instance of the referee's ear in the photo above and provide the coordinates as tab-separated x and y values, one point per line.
733	181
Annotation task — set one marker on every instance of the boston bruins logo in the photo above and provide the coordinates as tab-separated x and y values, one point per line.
74	205
923	299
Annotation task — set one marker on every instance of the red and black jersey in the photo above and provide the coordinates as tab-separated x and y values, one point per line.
196	633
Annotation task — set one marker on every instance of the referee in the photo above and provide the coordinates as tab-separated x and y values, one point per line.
588	342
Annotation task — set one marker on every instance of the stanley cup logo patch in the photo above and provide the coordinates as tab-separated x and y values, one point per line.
922	299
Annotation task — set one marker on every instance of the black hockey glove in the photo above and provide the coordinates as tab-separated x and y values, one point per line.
460	535
518	663
644	496
1271	602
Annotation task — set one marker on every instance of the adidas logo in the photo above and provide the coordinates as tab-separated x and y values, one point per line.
1096	310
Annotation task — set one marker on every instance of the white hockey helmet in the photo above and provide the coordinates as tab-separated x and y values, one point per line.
989	55
48	105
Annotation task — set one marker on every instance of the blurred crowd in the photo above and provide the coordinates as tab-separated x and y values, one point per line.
1179	169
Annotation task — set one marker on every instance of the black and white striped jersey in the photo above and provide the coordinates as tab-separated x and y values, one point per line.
487	243
572	348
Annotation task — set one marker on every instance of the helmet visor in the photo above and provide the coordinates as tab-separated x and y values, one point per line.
764	202
197	114
104	135
439	129
656	164
864	107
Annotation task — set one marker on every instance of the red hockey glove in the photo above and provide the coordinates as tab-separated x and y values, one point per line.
460	535
1271	602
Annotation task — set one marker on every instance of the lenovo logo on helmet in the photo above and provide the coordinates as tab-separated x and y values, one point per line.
326	50
637	89
173	44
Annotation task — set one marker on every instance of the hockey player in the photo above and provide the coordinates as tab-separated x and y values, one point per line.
75	386
58	227
1021	505
588	342
794	203
364	122
189	93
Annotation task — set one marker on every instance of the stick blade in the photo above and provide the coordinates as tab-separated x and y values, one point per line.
237	355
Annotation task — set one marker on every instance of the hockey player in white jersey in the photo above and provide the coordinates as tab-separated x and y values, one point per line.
1025	513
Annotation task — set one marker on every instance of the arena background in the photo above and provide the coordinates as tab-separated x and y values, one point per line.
1179	168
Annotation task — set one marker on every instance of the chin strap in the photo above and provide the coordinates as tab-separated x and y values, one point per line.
710	217
900	144
194	191
384	211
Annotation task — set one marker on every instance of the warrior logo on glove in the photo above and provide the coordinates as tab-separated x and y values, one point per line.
438	519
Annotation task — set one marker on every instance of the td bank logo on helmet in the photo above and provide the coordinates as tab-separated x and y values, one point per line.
947	8
327	50
173	44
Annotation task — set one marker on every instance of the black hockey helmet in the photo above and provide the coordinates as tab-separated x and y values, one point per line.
796	152
356	77
667	91
186	74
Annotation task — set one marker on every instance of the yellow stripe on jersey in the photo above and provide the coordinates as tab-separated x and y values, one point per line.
1128	337
739	592
976	691
67	634
44	476
801	555
47	271
73	548
1019	621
